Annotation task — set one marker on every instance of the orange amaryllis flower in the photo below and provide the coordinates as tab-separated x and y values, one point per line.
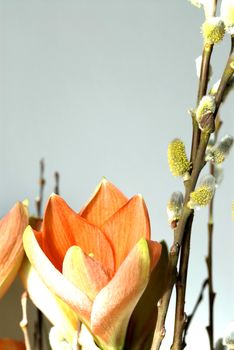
10	344
98	261
11	244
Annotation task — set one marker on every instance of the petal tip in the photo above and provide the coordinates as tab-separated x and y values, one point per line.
104	181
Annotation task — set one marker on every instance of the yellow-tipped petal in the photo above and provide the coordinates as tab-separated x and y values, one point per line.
57	312
54	280
84	272
115	303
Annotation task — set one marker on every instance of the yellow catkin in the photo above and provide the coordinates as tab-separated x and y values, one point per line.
219	156
177	158
203	193
202	196
213	30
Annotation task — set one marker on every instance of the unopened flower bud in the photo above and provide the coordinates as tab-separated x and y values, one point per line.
174	208
213	30
219	152
198	62
177	158
209	6
218	174
227	15
204	113
228	338
203	193
219	344
214	89
196	3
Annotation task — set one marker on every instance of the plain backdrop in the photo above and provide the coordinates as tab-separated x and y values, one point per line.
99	88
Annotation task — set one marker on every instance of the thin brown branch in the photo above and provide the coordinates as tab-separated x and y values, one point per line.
202	88
39	199
57	178
227	75
38	330
175	249
198	164
180	316
78	346
209	259
24	321
191	316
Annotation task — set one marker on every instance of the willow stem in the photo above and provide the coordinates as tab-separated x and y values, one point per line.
209	260
202	88
175	249
57	178
24	321
210	327
180	316
38	338
191	316
39	199
190	184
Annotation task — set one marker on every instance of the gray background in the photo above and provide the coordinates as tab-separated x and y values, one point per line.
99	87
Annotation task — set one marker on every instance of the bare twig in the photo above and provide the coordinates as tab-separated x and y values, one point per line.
39	199
180	316
38	338
209	258
202	88
24	321
191	316
57	178
78	346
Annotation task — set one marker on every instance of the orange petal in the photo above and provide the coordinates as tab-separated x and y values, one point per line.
57	312
10	344
85	272
126	227
54	280
115	303
106	200
142	322
11	247
63	228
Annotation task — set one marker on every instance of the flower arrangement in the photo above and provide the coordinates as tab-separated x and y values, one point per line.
97	275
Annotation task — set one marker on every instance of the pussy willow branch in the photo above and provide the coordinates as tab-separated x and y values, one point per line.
202	88
209	260
175	249
180	316
190	184
38	338
191	316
